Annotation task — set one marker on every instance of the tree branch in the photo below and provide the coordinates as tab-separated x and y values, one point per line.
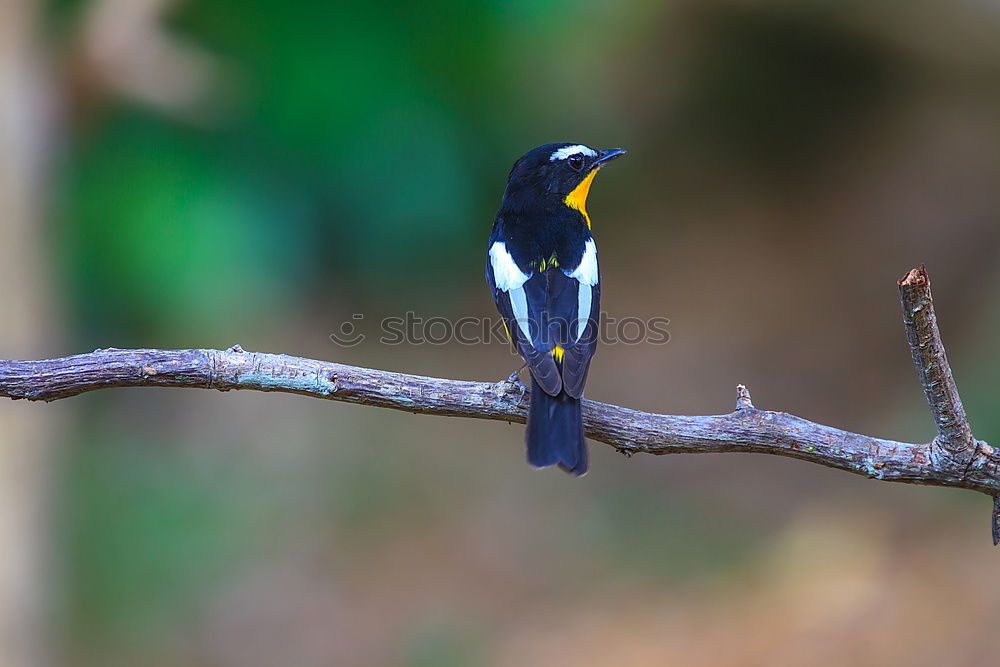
967	465
954	434
954	440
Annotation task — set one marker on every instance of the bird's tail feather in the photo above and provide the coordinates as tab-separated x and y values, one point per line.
555	432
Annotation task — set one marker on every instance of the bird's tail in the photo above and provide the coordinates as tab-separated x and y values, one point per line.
555	432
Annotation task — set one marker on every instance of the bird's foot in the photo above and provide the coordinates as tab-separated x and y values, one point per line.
514	379
517	384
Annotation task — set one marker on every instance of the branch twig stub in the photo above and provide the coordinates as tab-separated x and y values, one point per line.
954	434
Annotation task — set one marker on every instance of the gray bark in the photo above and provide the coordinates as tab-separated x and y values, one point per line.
953	459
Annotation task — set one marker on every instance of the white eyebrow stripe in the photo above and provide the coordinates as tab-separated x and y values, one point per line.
566	151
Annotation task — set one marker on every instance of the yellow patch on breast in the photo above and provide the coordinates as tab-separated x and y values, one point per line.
577	199
557	354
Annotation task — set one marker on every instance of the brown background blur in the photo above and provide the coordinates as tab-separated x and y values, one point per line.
199	174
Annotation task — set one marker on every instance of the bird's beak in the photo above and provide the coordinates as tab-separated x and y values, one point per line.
609	155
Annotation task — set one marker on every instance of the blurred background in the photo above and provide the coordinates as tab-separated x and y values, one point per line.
204	173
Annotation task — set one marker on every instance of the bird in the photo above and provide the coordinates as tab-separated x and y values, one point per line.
543	274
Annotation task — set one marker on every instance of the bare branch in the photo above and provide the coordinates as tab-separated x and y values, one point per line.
743	400
996	520
953	431
630	431
747	429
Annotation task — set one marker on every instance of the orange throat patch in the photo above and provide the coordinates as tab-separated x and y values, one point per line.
577	199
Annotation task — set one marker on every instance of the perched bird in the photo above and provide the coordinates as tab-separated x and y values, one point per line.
542	269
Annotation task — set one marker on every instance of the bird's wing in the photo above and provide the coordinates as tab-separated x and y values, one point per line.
576	301
577	355
521	300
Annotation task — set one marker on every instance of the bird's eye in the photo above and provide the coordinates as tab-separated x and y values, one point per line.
576	161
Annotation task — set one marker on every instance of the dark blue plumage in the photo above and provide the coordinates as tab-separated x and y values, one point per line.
543	273
555	432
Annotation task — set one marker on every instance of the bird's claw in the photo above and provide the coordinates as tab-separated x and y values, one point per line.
515	377
514	381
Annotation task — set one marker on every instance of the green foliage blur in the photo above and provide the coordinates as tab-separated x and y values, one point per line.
349	159
357	143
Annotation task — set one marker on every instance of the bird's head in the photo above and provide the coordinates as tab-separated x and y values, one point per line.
560	172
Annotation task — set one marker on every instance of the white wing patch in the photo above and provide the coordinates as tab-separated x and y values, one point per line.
587	275
566	151
584	301
505	272
586	272
519	304
511	279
